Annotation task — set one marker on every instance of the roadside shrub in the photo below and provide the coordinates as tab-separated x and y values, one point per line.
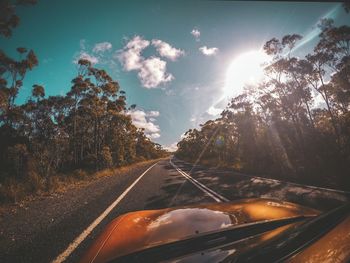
140	159
105	172
105	158
12	191
17	156
52	183
80	174
90	161
35	182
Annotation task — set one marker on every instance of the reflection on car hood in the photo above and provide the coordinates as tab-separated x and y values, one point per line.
142	229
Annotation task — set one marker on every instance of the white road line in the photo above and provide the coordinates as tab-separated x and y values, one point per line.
217	197
72	246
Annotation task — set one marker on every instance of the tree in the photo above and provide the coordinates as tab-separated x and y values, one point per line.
12	73
88	128
9	19
275	127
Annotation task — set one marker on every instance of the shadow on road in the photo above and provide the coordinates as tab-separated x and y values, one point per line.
235	186
176	191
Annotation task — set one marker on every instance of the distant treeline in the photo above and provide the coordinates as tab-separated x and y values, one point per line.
275	127
88	128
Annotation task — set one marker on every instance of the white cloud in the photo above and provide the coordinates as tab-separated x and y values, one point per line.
172	147
153	135
130	57
214	111
209	51
137	43
196	33
102	47
153	113
144	120
318	101
152	71
166	50
87	56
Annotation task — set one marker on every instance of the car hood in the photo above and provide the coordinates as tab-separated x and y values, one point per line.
139	230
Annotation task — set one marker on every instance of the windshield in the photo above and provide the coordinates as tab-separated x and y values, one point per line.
115	107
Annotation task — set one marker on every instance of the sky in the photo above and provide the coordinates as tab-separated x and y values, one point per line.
170	57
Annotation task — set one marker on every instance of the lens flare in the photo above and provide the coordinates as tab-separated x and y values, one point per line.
246	69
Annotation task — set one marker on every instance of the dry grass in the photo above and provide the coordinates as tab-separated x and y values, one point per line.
213	162
20	192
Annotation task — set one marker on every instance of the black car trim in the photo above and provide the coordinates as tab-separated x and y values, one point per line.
282	248
205	241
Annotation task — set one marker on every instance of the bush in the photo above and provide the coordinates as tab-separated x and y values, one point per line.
105	158
34	182
17	156
12	191
80	174
52	183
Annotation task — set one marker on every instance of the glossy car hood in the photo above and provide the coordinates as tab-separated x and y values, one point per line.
142	229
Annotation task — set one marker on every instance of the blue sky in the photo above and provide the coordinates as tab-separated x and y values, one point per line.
171	57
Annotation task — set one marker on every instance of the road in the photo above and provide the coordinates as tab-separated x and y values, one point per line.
60	228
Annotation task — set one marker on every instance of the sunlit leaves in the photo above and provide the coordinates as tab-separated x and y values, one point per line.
38	91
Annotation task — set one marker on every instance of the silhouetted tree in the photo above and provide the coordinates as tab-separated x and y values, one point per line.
276	127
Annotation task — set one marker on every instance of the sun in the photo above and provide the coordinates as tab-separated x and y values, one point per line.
246	69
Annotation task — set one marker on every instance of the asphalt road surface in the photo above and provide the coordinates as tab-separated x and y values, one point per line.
60	228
